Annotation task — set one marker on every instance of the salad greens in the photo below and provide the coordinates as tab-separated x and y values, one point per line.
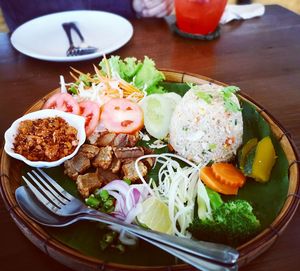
142	74
125	69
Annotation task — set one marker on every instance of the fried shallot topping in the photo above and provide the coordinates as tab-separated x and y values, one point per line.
47	139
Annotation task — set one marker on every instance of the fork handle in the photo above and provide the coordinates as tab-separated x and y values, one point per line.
193	260
67	28
76	29
212	251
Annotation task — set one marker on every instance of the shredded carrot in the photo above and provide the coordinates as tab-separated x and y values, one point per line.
130	89
228	174
101	77
125	90
210	180
79	72
74	76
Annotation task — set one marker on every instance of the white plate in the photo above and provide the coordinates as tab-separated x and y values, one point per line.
44	38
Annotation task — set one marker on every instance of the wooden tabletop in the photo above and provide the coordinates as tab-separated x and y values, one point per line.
261	56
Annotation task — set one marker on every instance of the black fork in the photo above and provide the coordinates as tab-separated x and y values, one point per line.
83	48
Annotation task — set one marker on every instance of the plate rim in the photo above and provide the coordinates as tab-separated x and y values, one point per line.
248	251
24	51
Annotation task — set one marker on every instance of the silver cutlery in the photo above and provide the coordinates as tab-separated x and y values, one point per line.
36	211
69	209
83	48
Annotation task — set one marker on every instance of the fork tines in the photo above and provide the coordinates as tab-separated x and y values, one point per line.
78	51
52	195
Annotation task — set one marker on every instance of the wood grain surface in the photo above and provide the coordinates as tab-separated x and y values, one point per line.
261	56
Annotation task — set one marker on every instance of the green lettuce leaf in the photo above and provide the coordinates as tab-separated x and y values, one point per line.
142	75
148	77
114	65
129	67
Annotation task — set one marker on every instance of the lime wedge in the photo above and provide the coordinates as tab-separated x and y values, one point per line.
155	216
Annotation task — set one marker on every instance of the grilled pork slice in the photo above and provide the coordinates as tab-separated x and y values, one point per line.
105	138
147	150
107	175
77	165
149	162
125	140
130	173
88	182
116	140
115	165
89	151
104	158
128	152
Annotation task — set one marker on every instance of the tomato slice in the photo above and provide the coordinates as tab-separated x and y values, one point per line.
64	102
91	112
122	116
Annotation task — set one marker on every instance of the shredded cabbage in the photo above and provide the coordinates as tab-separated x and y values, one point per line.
178	187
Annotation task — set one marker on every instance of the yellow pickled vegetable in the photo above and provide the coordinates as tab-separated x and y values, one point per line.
264	160
245	150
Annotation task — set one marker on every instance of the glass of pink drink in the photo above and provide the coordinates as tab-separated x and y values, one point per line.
199	16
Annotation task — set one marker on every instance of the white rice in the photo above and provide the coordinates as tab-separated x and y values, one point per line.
204	132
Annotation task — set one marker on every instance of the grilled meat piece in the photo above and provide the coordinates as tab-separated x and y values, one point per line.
147	150
104	158
77	165
89	151
88	182
130	172
133	139
128	152
105	139
125	140
115	165
149	162
116	140
120	140
107	175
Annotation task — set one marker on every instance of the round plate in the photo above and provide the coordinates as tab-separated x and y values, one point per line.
44	37
54	242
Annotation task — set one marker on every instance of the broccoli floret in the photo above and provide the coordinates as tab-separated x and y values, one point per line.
232	223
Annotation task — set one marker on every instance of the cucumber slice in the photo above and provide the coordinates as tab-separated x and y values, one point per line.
158	109
173	97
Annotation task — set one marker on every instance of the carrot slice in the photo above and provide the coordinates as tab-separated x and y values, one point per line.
228	174
210	180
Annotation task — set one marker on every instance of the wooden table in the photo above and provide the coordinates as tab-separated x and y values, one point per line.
261	56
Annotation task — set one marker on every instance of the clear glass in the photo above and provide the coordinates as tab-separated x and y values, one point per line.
199	16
